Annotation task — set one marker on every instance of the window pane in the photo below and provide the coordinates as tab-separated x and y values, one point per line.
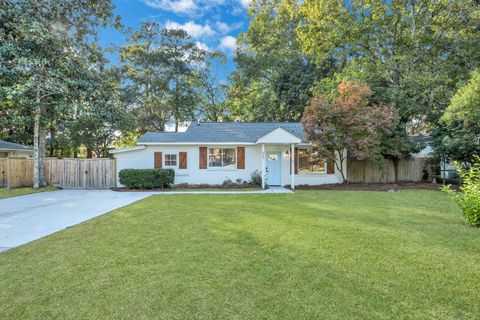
272	157
170	160
308	163
214	157
229	158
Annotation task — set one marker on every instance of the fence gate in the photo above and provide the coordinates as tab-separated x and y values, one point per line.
87	174
3	173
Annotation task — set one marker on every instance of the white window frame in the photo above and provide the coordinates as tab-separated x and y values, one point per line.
234	167
310	173
165	160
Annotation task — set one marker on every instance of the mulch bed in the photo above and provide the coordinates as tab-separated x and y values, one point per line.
373	186
181	187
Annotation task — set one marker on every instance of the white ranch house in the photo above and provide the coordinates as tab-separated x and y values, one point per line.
210	153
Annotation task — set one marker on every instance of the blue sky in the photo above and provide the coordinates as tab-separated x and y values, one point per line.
213	24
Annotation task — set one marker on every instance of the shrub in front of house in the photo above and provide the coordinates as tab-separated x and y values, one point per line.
256	178
469	198
147	178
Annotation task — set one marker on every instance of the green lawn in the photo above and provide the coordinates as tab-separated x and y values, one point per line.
309	255
7	193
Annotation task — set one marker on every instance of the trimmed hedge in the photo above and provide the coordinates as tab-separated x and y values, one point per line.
147	178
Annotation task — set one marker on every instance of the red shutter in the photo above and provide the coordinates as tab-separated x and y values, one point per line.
241	158
157	160
203	158
330	167
183	160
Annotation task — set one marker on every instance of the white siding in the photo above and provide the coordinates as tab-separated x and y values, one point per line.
279	135
143	159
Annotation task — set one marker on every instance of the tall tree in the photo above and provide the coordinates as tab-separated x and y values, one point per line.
458	137
146	81
185	60
213	92
273	78
161	75
103	119
348	123
411	52
40	52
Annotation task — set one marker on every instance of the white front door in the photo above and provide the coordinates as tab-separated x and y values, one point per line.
274	168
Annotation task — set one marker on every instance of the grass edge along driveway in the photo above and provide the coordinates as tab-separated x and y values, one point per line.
312	254
8	193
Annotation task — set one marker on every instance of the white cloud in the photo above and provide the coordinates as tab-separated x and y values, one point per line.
222	26
177	6
228	43
245	3
188	7
194	30
202	46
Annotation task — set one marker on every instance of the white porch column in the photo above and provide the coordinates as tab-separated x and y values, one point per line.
263	166
292	164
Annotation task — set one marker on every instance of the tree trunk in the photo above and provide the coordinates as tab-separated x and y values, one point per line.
89	153
36	153
42	149
339	164
395	168
52	142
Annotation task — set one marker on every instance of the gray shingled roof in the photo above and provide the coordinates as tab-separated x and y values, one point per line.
223	132
13	146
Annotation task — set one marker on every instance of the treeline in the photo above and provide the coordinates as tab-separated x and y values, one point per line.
421	57
60	93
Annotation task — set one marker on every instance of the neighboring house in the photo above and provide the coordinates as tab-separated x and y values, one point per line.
10	149
210	153
447	169
427	142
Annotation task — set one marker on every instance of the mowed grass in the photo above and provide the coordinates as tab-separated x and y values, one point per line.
8	193
309	255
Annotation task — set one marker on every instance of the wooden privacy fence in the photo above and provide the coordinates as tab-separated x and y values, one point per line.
410	170
96	173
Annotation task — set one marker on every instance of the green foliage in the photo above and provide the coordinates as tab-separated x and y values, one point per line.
147	178
348	121
129	139
412	52
469	197
458	136
273	77
212	92
103	119
256	178
161	76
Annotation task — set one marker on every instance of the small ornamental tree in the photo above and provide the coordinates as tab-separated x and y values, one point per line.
348	122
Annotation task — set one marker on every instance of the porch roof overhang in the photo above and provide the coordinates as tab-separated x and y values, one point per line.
279	136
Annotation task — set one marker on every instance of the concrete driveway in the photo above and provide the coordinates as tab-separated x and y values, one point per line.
29	217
